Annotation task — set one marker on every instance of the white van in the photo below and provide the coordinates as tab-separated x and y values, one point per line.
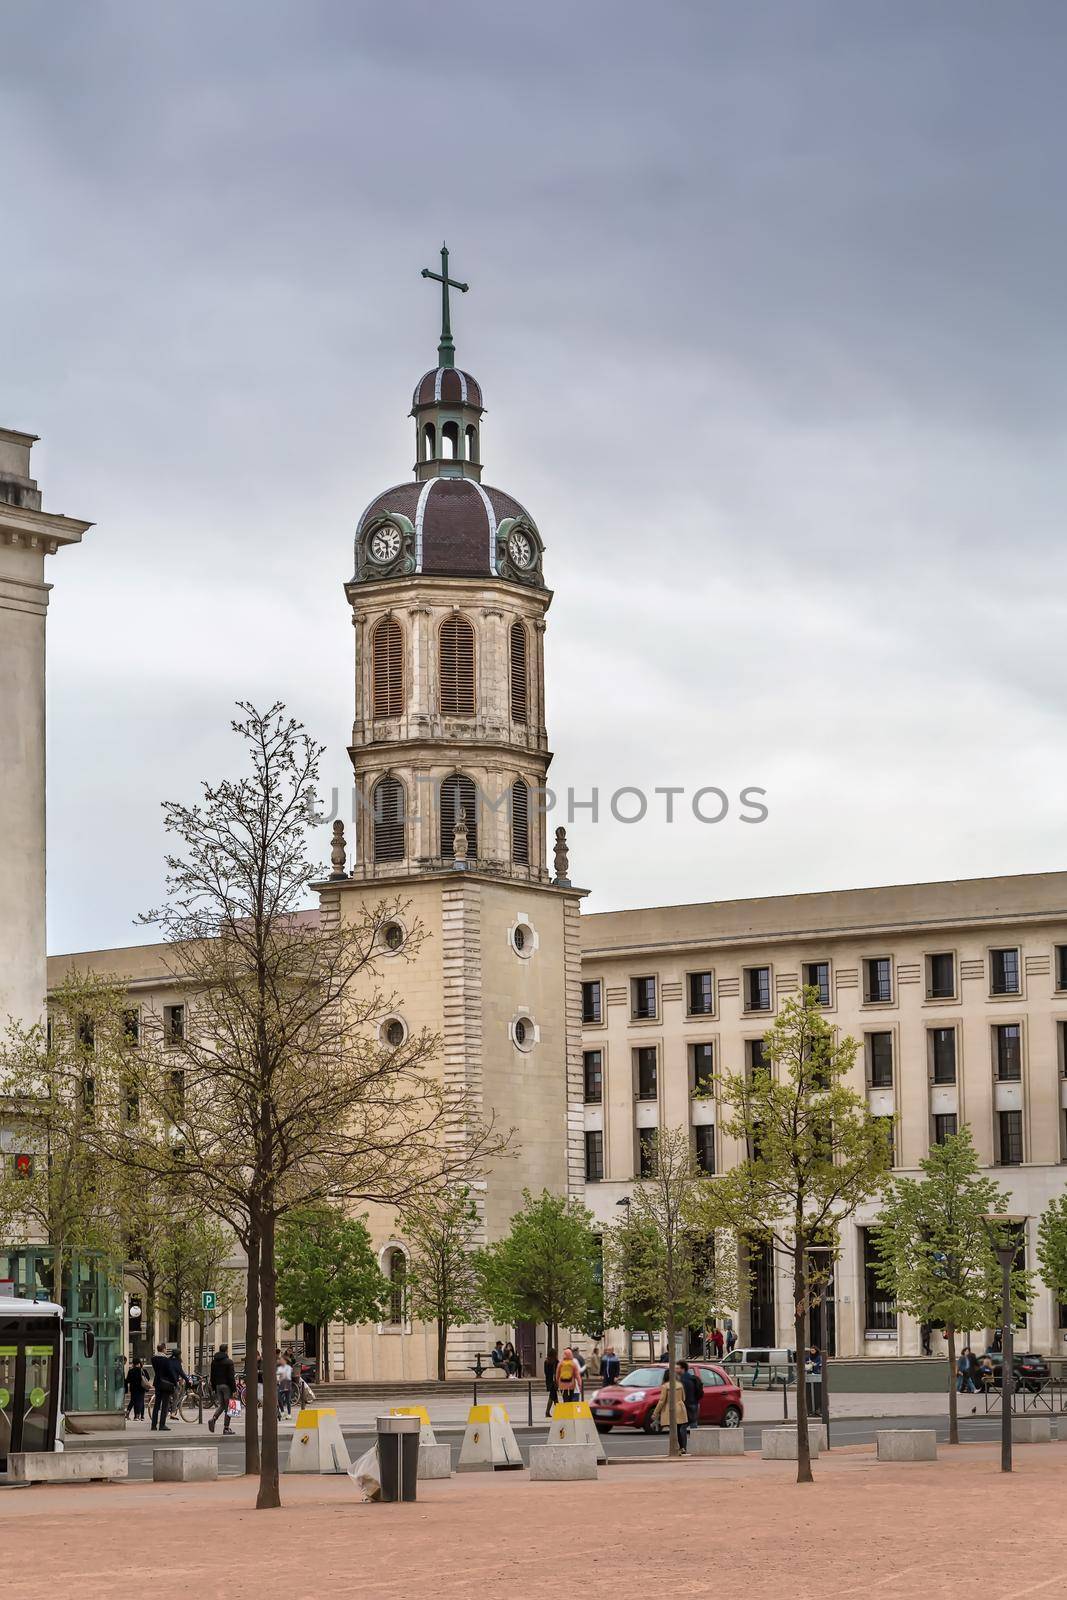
758	1364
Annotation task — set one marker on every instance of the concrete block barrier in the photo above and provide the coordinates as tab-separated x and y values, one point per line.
68	1466
1031	1430
198	1464
716	1442
906	1444
435	1460
780	1444
562	1463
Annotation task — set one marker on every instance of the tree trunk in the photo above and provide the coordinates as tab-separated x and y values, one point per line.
269	1492
442	1343
251	1343
953	1413
672	1394
800	1317
57	1275
324	1351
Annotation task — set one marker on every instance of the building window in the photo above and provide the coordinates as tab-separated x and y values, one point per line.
1061	1036
701	994
880	1314
131	1026
459	791
945	1126
1060	966
173	1024
593	1072
642	997
520	823
396	1274
943	1054
646	1152
86	1033
701	1067
941	976
387	819
817	976
591	1001
880	1060
1007	1052
594	1155
757	988
704	1146
756	1057
878	980
387	668
457	667
1009	1138
1004	971
519	696
645	1074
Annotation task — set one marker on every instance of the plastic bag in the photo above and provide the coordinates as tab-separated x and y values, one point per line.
365	1473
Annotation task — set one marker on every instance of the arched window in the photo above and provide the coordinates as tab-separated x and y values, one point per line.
387	816
456	791
457	667
429	442
387	668
519	698
472	442
520	823
450	441
395	1268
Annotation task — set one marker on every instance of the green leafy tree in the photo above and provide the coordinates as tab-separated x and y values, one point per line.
665	1260
443	1283
547	1268
936	1248
1052	1246
815	1155
328	1272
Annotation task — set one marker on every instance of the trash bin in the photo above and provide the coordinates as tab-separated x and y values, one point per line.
398	1456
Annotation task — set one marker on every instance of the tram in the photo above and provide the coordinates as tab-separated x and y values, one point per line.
31	1376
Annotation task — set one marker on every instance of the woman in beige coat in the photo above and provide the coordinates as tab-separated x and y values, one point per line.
661	1413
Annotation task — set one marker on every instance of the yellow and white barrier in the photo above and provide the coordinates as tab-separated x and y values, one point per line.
318	1444
489	1441
426	1433
572	1423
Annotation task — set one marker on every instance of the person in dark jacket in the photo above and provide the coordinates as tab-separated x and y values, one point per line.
166	1372
609	1365
551	1363
134	1385
224	1382
693	1390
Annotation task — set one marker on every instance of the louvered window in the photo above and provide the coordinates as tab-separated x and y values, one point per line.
520	822
387	817
456	791
457	667
519	698
387	657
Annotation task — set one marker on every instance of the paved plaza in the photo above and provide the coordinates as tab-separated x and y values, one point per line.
950	1529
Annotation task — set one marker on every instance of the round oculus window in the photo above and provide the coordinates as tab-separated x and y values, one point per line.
392	936
394	1032
522	1031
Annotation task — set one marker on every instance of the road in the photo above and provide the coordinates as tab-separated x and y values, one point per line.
621	1444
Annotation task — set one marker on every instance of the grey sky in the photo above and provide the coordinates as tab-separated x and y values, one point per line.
767	306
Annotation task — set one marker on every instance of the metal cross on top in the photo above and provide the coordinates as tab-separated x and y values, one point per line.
446	350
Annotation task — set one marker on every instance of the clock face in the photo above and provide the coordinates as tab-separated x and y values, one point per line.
384	543
520	549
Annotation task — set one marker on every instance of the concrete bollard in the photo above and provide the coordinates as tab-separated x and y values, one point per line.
435	1460
175	1465
780	1444
1031	1430
716	1442
67	1466
907	1444
562	1463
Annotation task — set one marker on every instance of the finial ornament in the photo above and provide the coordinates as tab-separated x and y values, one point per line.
459	838
446	350
561	859
337	851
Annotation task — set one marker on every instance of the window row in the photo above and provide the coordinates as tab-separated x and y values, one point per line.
455	669
703	1146
458	803
757	987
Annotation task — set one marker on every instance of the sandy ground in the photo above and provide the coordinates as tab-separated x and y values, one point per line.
954	1529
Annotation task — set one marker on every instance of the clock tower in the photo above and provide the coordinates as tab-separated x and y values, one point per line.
450	754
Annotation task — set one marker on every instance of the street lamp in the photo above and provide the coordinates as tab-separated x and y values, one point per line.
1005	1254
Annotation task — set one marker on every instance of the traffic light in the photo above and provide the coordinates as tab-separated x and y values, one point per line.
24	1166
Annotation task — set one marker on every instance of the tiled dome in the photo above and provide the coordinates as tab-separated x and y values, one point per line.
455	521
447	386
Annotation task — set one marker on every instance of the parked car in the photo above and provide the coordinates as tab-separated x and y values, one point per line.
1029	1369
631	1402
763	1363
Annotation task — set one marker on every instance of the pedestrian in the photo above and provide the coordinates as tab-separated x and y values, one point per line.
551	1365
223	1381
965	1371
609	1365
285	1387
165	1383
496	1354
134	1386
509	1360
579	1361
596	1363
662	1413
259	1379
693	1390
812	1359
568	1380
987	1374
731	1338
924	1334
997	1347
718	1341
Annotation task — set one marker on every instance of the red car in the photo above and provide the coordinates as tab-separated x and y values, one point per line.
631	1402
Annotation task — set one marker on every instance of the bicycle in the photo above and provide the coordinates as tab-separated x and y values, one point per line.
192	1398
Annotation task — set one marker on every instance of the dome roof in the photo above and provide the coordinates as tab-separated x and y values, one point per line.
455	523
447	386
